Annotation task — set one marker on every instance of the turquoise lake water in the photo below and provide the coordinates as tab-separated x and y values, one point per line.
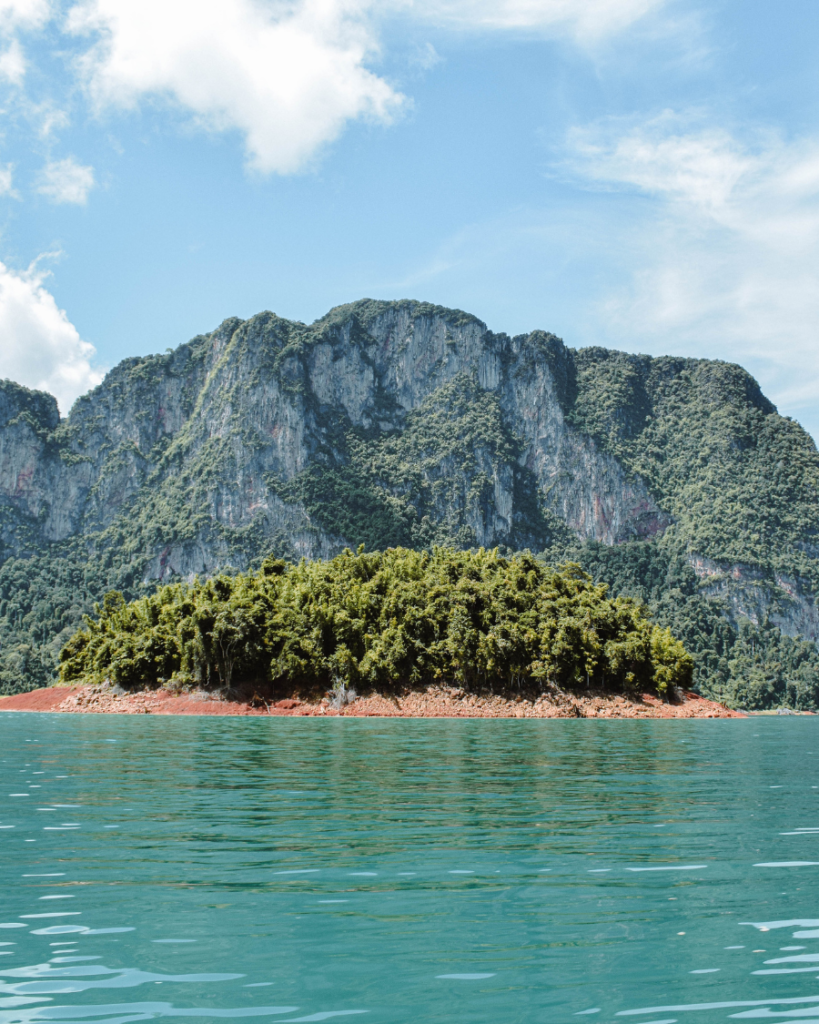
409	871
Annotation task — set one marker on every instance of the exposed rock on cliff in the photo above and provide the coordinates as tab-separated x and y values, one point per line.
224	430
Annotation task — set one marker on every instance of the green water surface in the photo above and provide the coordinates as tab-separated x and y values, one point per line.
489	872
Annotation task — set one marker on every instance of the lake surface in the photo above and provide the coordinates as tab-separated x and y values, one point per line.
409	871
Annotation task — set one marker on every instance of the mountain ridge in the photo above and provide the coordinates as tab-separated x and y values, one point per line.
407	424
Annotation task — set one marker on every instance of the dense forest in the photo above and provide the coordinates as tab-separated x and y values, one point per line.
381	620
43	601
740	664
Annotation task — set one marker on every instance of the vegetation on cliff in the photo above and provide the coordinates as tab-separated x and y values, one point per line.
421	485
380	620
739	664
741	481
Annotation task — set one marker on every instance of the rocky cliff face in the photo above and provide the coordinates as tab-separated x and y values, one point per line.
405	423
240	414
750	593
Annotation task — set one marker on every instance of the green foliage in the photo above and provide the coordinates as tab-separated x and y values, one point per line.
768	669
741	481
18	403
381	620
424	484
744	666
347	505
367	310
42	601
742	484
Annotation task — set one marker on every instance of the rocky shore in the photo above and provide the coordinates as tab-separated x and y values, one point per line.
434	702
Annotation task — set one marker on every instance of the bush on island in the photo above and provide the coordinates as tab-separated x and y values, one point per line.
378	620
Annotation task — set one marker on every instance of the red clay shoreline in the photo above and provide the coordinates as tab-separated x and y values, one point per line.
434	702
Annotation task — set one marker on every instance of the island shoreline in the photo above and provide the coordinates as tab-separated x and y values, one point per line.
433	702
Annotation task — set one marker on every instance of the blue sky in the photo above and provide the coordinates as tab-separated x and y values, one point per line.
640	174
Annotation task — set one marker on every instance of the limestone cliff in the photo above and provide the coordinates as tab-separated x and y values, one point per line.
222	426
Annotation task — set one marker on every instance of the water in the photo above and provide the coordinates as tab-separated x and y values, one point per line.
408	871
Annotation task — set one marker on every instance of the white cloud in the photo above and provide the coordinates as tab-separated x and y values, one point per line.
26	14
288	76
66	181
13	63
40	347
6	181
725	259
16	15
701	169
586	20
425	57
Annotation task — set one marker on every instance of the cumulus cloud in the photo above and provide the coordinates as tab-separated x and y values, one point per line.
726	256
39	346
66	181
289	77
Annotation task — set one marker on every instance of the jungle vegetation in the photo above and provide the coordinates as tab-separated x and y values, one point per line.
381	620
739	663
741	481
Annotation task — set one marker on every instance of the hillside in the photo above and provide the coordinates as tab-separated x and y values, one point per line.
405	424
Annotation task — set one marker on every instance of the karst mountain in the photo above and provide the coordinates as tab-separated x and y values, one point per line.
406	424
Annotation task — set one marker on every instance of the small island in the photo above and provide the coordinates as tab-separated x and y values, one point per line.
472	628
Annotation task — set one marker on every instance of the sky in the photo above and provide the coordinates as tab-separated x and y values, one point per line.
638	174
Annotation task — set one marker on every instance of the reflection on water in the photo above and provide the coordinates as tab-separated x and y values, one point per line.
484	871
